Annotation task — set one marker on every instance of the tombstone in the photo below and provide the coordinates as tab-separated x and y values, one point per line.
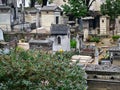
5	18
85	34
1	35
96	55
104	25
79	42
117	25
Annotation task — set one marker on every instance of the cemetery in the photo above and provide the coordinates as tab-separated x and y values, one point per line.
35	35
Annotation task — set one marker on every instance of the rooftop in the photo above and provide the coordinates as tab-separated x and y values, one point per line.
59	29
51	8
40	41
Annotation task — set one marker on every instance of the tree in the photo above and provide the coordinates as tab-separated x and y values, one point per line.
77	8
42	2
111	8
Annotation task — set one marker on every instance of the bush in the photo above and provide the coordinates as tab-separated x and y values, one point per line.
73	43
41	71
95	39
116	37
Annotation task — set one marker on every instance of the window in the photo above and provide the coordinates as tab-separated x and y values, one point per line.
57	20
102	21
59	40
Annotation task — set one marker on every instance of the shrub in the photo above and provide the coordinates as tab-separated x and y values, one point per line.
7	37
95	39
73	43
42	72
116	37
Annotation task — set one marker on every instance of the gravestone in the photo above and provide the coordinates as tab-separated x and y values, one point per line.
79	42
104	25
96	55
117	25
5	18
86	34
1	35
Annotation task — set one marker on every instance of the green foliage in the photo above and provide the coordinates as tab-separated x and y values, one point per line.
40	71
40	1
73	43
50	1
94	39
116	37
7	37
111	8
76	8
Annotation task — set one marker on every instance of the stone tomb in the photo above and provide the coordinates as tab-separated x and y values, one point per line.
104	25
60	35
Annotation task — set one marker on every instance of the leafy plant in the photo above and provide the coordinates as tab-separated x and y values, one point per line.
39	70
73	43
77	8
6	37
111	8
116	37
93	39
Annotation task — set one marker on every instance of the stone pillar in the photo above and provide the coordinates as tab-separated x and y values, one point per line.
37	19
77	40
111	55
85	34
96	56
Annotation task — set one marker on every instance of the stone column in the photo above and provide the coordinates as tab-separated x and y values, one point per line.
96	56
85	34
37	19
